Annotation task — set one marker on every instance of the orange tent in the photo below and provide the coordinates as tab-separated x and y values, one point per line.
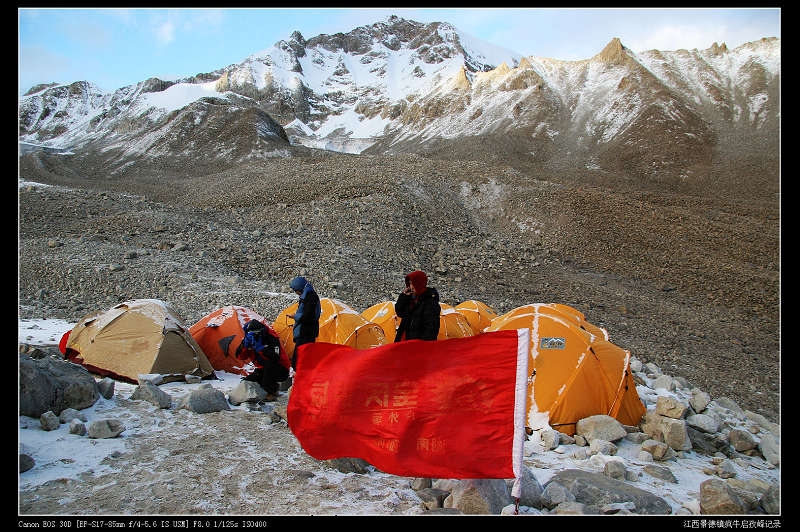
220	334
384	315
478	314
338	324
573	373
453	324
579	318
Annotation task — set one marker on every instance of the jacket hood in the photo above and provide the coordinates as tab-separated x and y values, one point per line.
298	283
419	280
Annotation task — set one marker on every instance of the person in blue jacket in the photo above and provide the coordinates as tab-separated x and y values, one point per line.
262	346
306	317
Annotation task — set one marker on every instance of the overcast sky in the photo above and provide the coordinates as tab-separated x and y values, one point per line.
117	47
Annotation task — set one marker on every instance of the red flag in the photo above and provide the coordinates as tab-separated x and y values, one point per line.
440	409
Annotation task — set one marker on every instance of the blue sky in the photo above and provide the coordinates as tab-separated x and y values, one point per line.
117	47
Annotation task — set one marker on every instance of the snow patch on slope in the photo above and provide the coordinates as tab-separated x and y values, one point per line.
180	95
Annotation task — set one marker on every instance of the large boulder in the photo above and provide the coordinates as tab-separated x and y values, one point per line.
50	384
479	496
204	400
597	490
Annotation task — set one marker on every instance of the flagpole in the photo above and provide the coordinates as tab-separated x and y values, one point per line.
520	410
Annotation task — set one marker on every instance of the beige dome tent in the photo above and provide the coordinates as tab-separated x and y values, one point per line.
137	337
573	373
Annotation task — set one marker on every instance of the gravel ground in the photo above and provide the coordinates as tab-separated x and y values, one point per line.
686	279
260	469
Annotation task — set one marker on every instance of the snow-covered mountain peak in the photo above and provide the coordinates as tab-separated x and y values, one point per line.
400	85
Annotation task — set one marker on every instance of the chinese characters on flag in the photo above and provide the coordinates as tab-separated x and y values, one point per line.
440	409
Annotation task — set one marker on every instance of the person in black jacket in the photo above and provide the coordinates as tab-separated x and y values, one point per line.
418	308
306	317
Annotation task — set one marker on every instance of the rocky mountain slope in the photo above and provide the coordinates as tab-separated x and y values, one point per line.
685	280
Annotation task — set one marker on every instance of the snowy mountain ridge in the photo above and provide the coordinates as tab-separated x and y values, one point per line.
402	86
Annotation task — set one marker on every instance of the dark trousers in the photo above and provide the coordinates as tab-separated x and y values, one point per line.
269	376
297	343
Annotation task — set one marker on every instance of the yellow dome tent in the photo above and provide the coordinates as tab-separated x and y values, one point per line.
384	315
573	373
580	320
478	314
452	324
338	324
